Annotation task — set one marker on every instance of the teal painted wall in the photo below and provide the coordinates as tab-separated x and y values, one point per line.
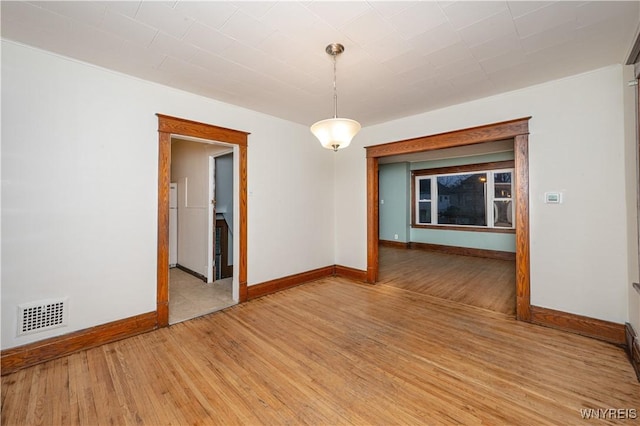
472	239
394	190
395	213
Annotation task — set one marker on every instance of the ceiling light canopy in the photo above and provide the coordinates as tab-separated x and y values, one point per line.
335	133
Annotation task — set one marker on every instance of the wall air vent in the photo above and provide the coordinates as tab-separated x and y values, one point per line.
43	315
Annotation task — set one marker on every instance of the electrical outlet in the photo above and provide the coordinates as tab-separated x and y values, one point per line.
395	236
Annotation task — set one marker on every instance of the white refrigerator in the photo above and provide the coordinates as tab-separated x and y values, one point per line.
173	225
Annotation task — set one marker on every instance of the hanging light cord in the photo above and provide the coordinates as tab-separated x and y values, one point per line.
335	90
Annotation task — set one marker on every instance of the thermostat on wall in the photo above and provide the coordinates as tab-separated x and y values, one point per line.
553	197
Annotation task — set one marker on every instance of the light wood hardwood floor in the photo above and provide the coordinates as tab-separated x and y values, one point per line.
475	281
331	352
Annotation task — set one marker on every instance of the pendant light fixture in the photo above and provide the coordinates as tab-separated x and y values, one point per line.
335	133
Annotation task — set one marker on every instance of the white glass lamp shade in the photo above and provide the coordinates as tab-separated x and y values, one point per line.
335	133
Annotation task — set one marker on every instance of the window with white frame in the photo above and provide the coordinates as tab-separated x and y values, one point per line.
465	198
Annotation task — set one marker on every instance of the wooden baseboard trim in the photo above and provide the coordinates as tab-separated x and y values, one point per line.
465	251
268	287
396	244
598	329
191	272
351	273
14	359
633	348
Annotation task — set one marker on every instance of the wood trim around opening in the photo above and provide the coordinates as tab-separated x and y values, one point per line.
470	136
517	130
373	225
183	127
168	126
523	281
14	359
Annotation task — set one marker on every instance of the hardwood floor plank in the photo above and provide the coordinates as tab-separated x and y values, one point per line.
331	352
35	404
494	351
482	282
59	411
327	377
224	367
277	359
447	399
81	397
15	393
378	381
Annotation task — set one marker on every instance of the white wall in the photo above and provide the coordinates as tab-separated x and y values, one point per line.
579	249
79	189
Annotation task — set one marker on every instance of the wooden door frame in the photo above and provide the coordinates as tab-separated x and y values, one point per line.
518	130
168	126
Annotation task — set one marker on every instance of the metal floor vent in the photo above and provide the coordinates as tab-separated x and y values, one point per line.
40	316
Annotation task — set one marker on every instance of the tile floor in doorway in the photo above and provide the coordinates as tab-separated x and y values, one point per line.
190	297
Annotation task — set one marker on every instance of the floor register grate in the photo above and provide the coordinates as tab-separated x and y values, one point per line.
39	316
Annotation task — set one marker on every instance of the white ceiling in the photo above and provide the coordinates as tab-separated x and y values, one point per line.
401	57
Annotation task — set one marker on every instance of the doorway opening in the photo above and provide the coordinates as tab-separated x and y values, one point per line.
201	208
515	130
446	225
232	140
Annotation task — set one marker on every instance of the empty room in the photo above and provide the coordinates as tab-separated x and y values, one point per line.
319	212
